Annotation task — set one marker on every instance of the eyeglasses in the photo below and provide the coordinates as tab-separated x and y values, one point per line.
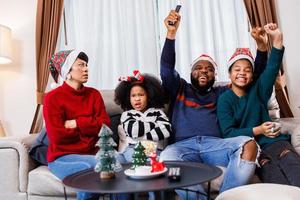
81	65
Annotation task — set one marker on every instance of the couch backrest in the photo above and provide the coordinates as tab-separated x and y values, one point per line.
111	107
113	110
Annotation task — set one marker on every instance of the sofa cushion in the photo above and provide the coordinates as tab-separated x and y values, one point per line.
43	182
114	123
38	150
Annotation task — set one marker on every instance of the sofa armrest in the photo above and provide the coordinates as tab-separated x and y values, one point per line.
292	126
15	163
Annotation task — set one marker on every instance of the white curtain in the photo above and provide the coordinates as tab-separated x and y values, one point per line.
118	36
122	35
213	27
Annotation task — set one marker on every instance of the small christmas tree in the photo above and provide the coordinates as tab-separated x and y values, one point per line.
107	164
139	156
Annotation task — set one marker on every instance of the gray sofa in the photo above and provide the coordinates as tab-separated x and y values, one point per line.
22	178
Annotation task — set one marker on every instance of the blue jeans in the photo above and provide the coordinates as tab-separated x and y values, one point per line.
126	155
70	164
214	151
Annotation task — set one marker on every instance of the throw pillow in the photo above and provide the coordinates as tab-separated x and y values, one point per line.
38	150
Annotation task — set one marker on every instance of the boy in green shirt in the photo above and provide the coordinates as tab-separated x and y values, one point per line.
243	111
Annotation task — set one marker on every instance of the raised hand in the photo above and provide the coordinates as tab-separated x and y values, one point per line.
261	38
276	35
172	29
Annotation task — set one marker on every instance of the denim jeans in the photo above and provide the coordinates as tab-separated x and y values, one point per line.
126	155
280	169
214	151
70	164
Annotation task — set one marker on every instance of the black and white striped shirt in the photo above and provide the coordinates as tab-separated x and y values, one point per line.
153	124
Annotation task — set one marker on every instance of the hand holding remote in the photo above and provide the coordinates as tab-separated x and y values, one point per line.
177	9
172	22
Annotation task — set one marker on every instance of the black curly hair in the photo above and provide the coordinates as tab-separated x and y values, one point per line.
157	97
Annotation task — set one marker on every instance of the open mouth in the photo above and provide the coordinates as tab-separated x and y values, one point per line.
203	78
137	105
241	79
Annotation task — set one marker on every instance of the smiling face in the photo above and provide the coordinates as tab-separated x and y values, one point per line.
79	71
204	72
241	73
203	75
138	98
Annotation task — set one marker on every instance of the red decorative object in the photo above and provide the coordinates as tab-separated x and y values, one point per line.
156	166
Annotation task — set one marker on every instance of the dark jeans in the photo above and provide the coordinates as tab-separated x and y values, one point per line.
281	170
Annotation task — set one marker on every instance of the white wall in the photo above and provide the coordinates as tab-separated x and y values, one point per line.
289	15
18	79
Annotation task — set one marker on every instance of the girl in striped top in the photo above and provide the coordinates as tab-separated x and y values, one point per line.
142	99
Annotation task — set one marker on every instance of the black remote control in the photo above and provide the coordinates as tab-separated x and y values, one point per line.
174	174
177	9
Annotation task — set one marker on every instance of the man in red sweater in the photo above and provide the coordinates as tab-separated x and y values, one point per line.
73	116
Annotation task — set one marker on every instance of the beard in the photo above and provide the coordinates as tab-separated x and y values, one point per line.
203	89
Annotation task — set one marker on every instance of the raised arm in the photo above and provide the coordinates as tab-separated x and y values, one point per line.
261	39
267	79
170	77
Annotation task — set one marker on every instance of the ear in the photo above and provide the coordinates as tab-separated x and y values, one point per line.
69	76
216	76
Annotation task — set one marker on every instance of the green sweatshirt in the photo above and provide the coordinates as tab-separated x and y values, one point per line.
239	115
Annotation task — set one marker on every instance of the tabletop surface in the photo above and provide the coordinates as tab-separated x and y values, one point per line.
191	174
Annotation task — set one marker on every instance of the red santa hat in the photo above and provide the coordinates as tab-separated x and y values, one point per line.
241	53
204	57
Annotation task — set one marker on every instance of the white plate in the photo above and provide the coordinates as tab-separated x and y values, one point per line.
132	174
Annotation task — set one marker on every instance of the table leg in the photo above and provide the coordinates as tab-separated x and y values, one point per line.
65	193
208	190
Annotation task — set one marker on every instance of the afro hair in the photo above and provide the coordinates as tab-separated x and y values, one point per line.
157	97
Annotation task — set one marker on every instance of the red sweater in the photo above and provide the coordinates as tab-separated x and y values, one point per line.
86	107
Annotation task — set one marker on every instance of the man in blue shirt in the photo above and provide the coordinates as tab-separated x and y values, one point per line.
197	134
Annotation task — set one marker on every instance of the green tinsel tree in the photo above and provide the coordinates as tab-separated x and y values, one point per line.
139	156
107	164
